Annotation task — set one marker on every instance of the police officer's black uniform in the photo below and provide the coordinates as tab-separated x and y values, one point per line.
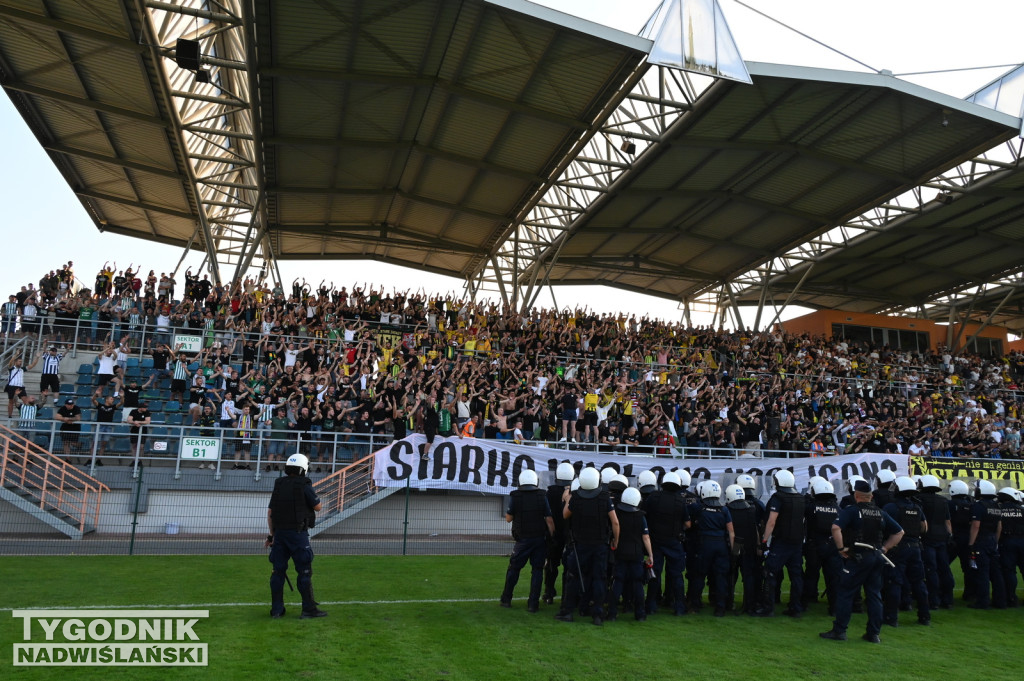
291	513
713	523
786	552
935	550
960	517
1011	547
987	514
744	554
530	512
667	519
908	575
820	550
556	543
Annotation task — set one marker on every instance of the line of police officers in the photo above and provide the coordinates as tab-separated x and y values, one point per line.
882	550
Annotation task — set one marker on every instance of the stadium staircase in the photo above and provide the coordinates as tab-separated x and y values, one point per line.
347	492
43	485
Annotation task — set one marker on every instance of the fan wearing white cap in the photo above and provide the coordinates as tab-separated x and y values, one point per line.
715	528
935	544
784	534
630	555
909	571
667	519
564	475
292	511
530	514
986	524
592	522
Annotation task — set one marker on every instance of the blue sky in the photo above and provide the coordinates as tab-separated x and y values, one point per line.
45	225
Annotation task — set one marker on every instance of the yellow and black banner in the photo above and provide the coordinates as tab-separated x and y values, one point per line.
1004	473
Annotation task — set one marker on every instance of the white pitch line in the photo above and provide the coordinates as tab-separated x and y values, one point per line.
185	606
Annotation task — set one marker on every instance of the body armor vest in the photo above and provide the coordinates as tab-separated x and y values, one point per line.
288	509
935	510
789	525
589	521
631	535
528	522
1013	520
664	516
823	515
554	494
744	522
871	527
990	521
960	515
910	519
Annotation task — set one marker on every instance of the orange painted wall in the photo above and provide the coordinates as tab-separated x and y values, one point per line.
1017	345
820	323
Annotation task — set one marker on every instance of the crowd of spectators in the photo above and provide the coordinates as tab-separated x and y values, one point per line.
323	359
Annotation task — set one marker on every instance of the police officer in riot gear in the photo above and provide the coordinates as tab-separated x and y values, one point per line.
960	504
849	499
647	481
1011	542
822	556
715	528
630	553
883	494
935	544
530	515
592	521
783	545
667	519
556	543
749	486
908	573
292	511
982	544
862	533
746	540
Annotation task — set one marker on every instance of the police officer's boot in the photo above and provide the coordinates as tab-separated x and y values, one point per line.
309	604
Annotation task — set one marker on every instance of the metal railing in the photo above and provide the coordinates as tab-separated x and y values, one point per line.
48	481
346	486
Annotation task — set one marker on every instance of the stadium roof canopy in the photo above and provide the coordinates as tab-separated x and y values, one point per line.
511	146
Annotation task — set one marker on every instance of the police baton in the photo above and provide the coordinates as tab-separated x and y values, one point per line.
880	552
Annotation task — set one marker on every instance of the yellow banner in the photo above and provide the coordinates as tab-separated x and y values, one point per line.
1004	473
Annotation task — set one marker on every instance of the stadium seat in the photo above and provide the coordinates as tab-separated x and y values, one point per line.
172	405
133	363
175	419
133	372
85	369
84	379
120	445
146	363
83	402
164	384
88	414
151	395
45	413
156	406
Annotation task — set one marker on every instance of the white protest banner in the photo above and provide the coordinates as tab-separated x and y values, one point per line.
493	466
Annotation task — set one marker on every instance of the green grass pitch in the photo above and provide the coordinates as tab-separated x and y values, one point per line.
438	618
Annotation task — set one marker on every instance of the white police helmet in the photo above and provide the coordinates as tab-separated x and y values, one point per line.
820	486
618	483
905	486
565	473
1008	494
684	478
986	489
608	474
784	480
647	481
709	489
298	460
590	479
746	481
885	476
630	500
958	487
930	483
853	480
734	493
528	479
810	482
670	481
